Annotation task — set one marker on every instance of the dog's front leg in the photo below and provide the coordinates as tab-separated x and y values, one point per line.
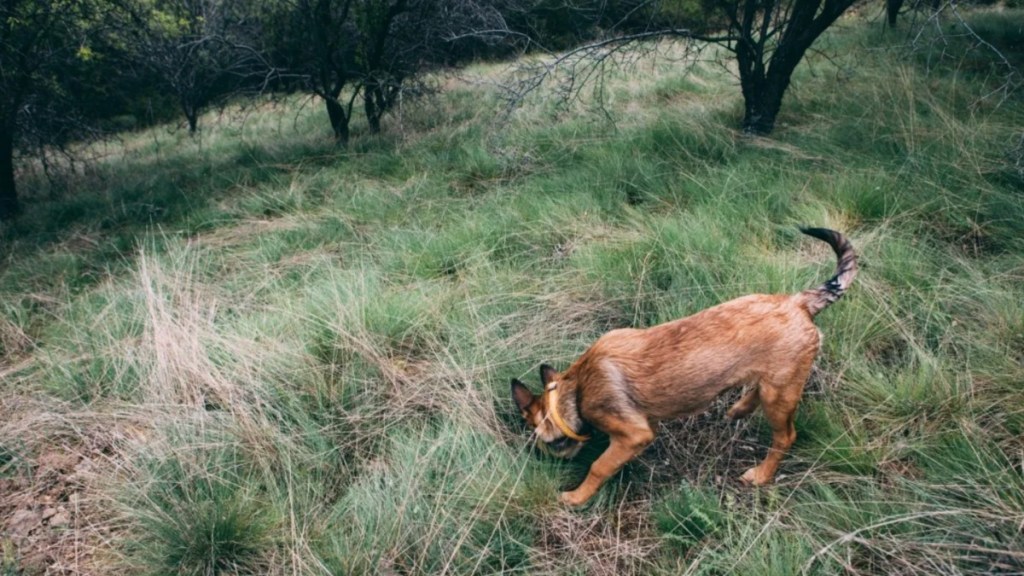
623	448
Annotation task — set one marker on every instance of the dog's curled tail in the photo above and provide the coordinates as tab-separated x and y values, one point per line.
817	299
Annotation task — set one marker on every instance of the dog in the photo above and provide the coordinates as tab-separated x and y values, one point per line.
631	379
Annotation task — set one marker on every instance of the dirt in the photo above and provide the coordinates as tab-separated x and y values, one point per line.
47	514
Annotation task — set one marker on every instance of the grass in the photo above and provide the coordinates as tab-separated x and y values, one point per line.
281	357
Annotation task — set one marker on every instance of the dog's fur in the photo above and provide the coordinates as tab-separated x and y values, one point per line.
630	379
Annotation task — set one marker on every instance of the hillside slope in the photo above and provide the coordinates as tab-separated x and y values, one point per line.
255	353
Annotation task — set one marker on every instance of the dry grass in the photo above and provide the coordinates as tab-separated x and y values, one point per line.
307	362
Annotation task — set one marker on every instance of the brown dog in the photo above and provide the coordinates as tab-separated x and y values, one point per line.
629	380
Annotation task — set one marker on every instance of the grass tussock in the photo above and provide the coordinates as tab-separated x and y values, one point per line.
254	353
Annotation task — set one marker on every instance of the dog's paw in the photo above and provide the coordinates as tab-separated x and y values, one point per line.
754	477
740	411
572	498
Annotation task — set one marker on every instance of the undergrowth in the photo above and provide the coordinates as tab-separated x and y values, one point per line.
300	355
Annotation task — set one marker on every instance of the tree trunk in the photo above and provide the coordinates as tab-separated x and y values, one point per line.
372	104
765	83
762	104
760	108
339	120
892	9
191	114
762	93
9	206
764	87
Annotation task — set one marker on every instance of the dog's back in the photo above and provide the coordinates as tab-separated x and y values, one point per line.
684	364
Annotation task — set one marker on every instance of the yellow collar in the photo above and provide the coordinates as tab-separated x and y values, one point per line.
557	418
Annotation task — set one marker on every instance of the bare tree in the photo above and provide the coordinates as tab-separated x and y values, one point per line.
768	39
383	55
200	49
585	64
314	41
402	39
342	50
945	34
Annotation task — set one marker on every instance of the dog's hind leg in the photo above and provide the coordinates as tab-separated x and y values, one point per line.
743	407
779	403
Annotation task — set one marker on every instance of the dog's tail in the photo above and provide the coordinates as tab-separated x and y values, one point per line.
817	299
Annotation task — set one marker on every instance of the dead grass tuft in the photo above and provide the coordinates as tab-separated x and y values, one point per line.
612	544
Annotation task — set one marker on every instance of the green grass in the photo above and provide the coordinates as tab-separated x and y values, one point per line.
688	515
199	514
282	357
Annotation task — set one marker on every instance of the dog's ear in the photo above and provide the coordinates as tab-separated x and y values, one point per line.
521	394
547	374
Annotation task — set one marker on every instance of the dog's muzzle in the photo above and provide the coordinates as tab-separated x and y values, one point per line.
563	447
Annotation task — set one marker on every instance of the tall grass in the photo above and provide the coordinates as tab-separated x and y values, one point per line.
281	357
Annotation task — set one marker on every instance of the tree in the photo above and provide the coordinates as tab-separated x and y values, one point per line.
200	49
768	39
383	55
892	11
314	41
61	71
399	40
342	50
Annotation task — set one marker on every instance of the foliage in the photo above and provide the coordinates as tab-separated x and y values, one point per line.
49	52
688	515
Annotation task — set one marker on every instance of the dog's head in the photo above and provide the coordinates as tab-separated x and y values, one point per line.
536	413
